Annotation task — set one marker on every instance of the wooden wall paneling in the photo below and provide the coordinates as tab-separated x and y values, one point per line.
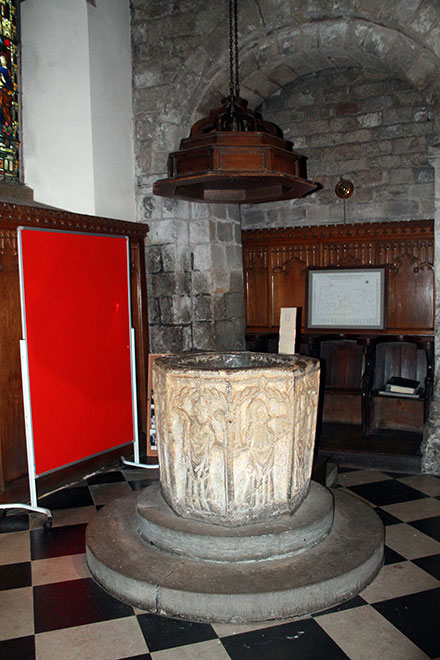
140	323
256	281
405	247
288	278
410	289
14	463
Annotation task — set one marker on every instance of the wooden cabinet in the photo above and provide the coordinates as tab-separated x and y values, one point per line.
13	463
276	263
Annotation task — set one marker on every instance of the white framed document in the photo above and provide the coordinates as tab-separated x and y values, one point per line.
346	298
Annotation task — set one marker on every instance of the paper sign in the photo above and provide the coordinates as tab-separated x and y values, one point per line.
287	330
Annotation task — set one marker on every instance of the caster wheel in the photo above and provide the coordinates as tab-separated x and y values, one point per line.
48	523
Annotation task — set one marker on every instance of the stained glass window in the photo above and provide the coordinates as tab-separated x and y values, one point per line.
9	104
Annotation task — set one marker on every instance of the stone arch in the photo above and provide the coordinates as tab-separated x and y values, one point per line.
273	59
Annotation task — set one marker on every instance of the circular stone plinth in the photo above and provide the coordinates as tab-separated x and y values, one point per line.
277	537
332	571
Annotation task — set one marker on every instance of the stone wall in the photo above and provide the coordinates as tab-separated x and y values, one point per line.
363	125
194	276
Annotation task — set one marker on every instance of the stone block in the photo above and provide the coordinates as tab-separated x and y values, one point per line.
199	231
218	308
202	257
163	284
153	258
184	283
203	336
153	310
166	310
224	231
182	309
230	335
402	175
236	281
202	282
175	208
234	305
167	339
424	174
162	231
202	308
219	258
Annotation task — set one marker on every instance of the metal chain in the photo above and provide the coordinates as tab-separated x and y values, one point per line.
231	49
234	86
237	78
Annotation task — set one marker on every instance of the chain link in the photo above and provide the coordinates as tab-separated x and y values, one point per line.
234	85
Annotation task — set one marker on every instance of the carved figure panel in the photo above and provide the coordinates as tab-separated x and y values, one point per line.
230	439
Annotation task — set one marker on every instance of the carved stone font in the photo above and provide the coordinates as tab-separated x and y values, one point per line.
235	433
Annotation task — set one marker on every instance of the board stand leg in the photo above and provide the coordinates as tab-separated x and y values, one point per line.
33	506
28	507
136	454
136	464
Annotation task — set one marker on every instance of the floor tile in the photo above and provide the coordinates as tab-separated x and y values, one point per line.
396	475
427	483
304	640
74	603
429	526
163	633
398	579
21	648
416	617
13	522
228	629
14	547
352	631
14	576
59	569
58	541
134	474
361	477
106	640
17	613
414	509
409	542
139	484
106	493
211	650
106	477
392	557
386	517
67	498
387	492
73	516
357	601
430	564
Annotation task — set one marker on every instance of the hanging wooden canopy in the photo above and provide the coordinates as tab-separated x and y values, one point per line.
235	157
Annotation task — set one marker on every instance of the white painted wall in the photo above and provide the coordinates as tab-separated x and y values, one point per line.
77	108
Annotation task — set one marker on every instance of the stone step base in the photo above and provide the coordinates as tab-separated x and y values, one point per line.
332	571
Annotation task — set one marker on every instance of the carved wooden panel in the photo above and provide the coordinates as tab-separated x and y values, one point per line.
256	286
406	248
288	267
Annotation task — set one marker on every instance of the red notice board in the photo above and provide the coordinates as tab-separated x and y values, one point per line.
76	320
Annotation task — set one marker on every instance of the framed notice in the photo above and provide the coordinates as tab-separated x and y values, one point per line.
346	298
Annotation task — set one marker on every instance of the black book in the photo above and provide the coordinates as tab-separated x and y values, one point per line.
403	385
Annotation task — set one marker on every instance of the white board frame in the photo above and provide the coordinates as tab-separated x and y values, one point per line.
360	291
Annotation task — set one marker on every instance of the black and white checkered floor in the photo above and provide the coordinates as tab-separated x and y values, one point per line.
50	609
